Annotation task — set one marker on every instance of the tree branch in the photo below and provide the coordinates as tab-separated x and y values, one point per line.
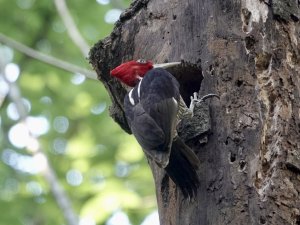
71	27
46	58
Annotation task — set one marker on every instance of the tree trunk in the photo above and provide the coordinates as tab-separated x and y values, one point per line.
247	52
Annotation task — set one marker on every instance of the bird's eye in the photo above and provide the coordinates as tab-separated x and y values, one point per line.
142	61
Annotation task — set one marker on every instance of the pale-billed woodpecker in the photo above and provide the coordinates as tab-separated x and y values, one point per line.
152	108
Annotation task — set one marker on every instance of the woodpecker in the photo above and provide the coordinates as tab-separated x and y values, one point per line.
152	109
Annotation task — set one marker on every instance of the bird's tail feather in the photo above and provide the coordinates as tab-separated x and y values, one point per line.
182	168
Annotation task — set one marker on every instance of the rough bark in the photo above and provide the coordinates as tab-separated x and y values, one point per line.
246	51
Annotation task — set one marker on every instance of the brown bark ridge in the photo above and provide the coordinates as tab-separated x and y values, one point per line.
248	53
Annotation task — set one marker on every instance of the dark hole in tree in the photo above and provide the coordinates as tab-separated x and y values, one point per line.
239	83
294	18
272	98
262	220
281	81
242	165
189	77
232	157
298	220
250	42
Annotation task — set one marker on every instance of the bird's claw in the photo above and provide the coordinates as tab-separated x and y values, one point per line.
195	99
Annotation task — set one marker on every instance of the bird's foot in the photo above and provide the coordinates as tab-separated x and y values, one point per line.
195	100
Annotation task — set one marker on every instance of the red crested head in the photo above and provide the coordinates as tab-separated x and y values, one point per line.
131	72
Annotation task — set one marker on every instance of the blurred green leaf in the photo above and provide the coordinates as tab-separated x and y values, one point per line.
110	168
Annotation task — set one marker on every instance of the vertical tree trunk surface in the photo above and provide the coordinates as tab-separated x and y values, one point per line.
247	52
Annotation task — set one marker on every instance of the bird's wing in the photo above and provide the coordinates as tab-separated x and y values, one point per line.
164	113
155	133
149	135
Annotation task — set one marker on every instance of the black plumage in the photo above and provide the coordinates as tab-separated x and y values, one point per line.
151	109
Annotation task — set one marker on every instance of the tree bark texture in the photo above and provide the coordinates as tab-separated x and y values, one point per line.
247	52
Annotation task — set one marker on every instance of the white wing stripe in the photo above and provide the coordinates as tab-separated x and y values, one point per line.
131	98
139	87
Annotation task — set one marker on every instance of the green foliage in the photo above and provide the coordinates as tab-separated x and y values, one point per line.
111	173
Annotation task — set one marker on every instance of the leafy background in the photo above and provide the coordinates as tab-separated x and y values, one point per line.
101	168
